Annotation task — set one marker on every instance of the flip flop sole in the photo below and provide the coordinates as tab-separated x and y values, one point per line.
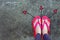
48	25
34	25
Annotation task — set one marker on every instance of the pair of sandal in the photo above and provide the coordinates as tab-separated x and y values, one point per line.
41	21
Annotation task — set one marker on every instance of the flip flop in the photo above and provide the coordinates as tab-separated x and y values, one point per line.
36	20
46	20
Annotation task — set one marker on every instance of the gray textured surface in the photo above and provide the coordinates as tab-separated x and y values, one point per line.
14	25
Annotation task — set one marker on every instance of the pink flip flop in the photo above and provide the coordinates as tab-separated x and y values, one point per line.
36	20
46	20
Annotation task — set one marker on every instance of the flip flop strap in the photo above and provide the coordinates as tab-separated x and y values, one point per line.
46	25
37	24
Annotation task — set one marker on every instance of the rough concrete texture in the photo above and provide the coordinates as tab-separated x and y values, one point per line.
14	25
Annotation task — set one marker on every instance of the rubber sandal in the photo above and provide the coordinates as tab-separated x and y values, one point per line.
46	20
36	20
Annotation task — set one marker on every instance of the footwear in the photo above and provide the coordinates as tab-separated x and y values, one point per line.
36	20
46	21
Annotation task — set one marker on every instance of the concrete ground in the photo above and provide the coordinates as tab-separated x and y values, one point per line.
14	25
